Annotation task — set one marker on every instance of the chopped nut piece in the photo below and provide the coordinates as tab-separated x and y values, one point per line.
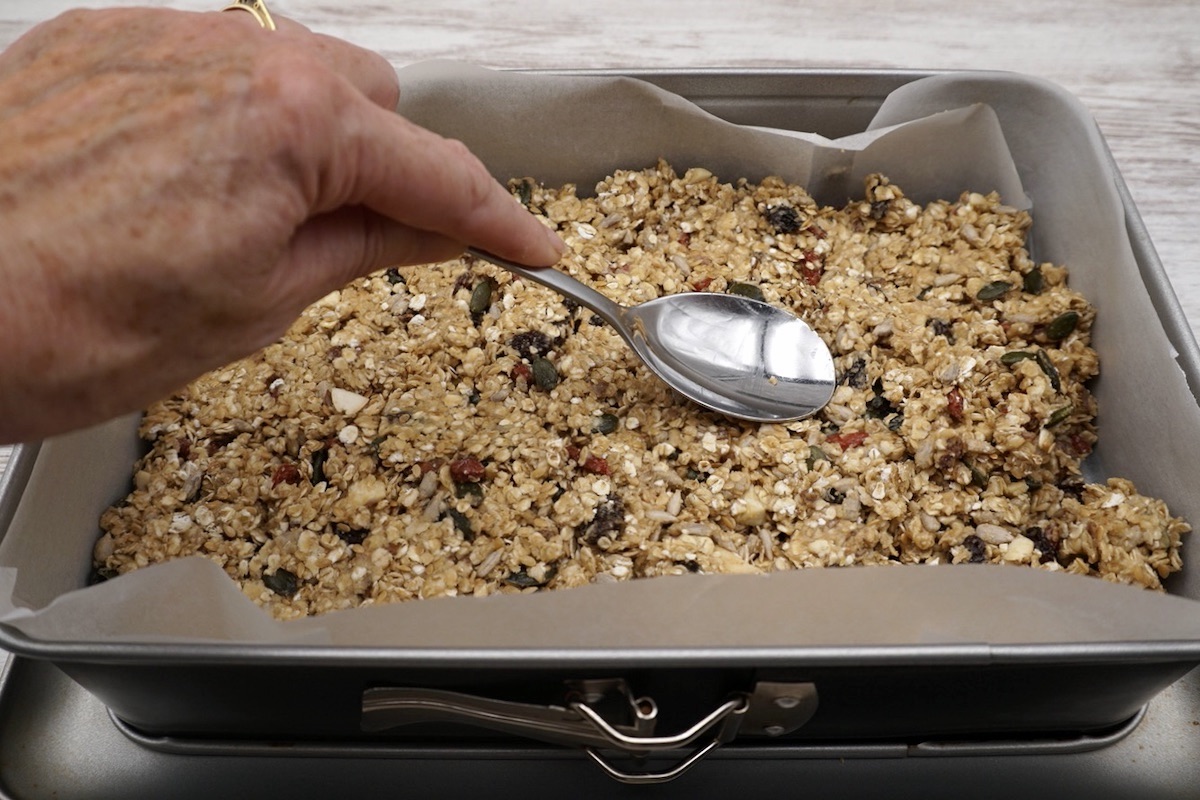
505	442
346	402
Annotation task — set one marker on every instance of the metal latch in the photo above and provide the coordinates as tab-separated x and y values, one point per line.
770	709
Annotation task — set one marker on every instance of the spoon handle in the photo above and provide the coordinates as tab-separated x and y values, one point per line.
564	284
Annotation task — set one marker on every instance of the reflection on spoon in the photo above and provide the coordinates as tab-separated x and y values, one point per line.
732	354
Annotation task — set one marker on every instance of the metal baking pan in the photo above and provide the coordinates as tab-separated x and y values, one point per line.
677	704
56	740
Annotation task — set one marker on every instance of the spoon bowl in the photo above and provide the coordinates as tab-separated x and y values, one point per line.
732	354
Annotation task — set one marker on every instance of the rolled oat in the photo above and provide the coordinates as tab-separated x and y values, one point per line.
449	429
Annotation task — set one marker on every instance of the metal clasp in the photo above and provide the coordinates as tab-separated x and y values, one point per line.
771	709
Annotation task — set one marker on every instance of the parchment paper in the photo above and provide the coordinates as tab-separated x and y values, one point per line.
935	138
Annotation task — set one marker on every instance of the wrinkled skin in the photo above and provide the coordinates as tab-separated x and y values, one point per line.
176	187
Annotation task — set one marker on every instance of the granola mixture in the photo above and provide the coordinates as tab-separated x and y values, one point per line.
449	429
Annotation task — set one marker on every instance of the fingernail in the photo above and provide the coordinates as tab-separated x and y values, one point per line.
560	247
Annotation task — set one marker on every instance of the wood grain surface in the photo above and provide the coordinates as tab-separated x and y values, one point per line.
1133	63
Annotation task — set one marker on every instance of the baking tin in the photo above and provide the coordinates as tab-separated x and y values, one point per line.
213	700
56	740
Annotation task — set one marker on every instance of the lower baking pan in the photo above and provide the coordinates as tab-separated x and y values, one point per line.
863	696
58	741
648	700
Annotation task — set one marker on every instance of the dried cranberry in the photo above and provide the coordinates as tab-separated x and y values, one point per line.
977	548
942	328
608	519
856	376
215	443
285	473
353	536
467	470
531	344
879	407
1045	543
950	457
432	465
1078	445
1072	486
783	218
954	405
595	465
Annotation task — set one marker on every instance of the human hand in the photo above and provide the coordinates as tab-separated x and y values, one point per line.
176	187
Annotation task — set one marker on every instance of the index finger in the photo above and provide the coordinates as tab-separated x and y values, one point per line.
411	174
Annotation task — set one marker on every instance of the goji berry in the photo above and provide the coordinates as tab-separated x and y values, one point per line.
848	440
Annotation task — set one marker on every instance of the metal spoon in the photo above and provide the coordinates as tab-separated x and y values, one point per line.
732	354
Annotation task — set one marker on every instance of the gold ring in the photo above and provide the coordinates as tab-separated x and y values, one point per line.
256	7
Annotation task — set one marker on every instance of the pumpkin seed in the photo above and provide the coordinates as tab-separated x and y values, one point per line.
993	291
462	524
746	290
524	580
525	192
104	574
815	454
282	582
470	490
319	457
1062	326
607	423
481	296
544	374
1033	282
1013	356
979	478
1058	416
1043	360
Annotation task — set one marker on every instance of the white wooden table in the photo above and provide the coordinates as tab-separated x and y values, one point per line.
1134	63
